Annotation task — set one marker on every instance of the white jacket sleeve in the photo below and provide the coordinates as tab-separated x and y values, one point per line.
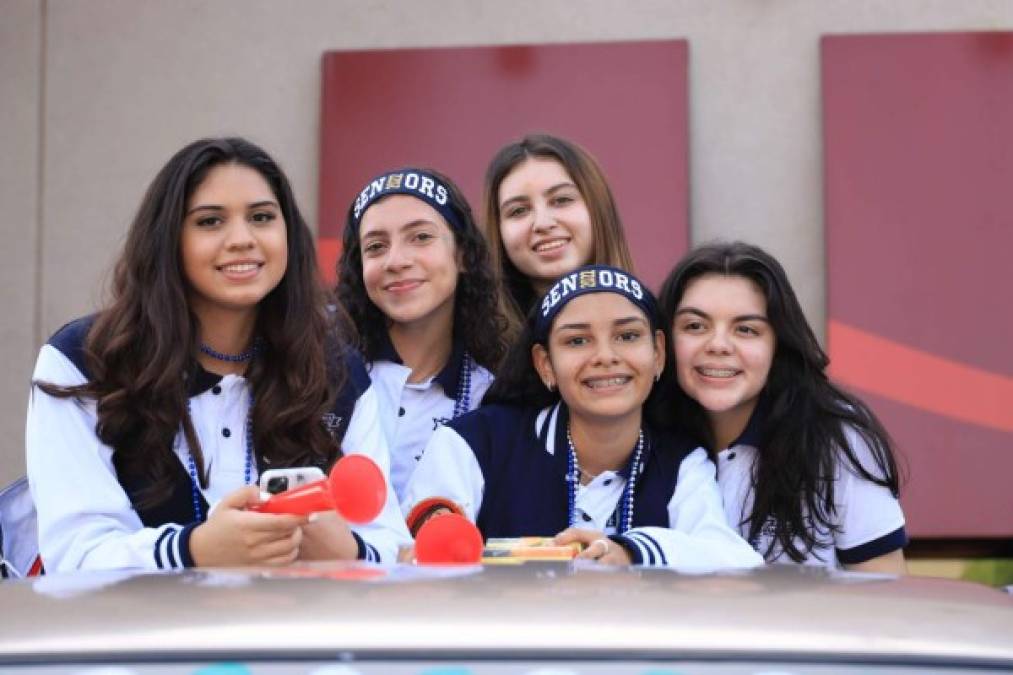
86	520
379	540
698	538
448	470
871	519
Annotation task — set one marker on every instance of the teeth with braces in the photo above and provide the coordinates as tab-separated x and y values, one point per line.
608	382
718	372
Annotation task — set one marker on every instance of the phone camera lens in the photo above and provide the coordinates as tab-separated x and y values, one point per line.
277	484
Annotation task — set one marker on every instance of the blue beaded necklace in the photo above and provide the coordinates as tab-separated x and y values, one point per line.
191	464
241	357
625	521
462	403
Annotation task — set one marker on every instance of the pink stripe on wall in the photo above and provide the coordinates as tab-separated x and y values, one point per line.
901	373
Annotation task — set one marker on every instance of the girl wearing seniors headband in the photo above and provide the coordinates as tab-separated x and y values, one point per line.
548	210
807	471
415	278
567	443
215	360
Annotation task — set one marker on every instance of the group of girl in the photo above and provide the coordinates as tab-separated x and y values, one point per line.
516	373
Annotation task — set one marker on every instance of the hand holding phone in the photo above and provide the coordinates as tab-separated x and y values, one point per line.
355	488
275	481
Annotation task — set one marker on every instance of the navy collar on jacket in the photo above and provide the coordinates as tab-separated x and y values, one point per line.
449	376
752	435
559	414
202	381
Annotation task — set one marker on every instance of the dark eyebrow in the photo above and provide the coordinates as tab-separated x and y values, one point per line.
630	319
560	186
418	222
216	207
549	191
205	207
705	315
518	198
625	321
574	326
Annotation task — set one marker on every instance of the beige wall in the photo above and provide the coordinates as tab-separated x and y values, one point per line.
20	219
96	95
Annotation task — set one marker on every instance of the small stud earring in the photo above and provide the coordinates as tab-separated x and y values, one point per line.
657	377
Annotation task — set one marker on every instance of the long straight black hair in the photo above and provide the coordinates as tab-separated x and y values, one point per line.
802	435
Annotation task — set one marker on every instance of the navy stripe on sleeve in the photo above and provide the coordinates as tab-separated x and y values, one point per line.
158	548
653	544
361	552
183	539
875	548
632	547
170	546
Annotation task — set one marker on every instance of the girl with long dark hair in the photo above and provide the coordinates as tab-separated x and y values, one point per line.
216	358
415	278
566	443
806	470
548	210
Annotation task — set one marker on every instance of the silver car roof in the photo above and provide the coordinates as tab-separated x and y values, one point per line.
538	610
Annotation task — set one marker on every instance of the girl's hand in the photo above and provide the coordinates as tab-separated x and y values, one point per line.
234	536
406	554
597	546
327	537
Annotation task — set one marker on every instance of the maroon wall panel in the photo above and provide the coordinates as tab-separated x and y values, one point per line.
453	108
919	217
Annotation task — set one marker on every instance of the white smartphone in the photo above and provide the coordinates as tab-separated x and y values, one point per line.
274	481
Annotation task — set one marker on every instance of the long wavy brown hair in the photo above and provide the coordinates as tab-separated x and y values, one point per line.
141	349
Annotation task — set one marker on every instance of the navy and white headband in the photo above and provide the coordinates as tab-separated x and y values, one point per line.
592	279
413	182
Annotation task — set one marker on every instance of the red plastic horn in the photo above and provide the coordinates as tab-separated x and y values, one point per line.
358	488
355	489
448	539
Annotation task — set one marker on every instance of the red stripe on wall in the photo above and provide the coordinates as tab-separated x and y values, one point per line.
895	371
328	252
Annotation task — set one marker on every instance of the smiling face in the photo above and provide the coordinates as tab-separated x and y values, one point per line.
233	245
724	347
544	222
409	260
603	356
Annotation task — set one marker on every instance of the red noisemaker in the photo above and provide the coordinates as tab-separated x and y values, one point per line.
355	489
448	538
